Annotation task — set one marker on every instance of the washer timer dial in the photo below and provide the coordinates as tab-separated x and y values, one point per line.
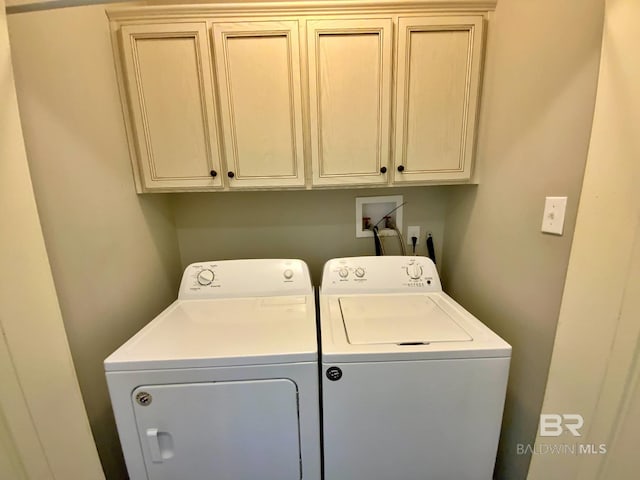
205	277
414	272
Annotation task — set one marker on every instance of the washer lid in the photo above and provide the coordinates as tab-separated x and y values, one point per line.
398	319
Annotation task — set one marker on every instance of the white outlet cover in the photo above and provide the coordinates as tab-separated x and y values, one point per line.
553	216
411	232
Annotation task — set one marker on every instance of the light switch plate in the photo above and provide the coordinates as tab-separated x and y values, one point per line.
553	217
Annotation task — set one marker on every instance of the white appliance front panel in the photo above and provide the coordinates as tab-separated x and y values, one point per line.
413	420
304	375
239	430
398	319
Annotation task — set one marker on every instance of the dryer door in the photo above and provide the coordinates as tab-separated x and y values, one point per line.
240	430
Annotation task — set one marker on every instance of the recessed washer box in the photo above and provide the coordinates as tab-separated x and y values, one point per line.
376	208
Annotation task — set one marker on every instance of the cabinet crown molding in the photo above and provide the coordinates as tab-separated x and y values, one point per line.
300	7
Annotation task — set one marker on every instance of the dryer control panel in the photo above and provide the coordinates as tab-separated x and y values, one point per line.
385	274
245	278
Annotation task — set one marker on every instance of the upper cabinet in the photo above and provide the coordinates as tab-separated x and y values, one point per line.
437	93
169	82
258	67
300	94
350	100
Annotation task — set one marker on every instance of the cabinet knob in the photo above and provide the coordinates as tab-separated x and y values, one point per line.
401	168
383	169
231	174
213	173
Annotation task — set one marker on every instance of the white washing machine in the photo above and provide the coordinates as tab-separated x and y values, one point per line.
413	386
223	384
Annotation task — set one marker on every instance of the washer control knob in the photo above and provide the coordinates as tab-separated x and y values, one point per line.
205	277
414	272
288	274
343	272
359	272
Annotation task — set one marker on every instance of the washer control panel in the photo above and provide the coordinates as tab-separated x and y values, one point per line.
385	274
245	278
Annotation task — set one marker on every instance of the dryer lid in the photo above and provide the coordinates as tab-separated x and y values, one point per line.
223	332
398	319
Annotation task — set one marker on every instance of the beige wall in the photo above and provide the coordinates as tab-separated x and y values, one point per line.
39	393
595	364
537	107
10	464
113	254
115	257
312	225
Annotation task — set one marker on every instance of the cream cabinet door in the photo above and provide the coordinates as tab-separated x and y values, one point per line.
350	100
439	63
258	71
169	79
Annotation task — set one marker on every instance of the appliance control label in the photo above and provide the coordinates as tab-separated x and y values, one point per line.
334	373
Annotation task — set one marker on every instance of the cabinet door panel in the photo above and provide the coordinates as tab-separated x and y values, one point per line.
439	63
259	77
350	92
170	86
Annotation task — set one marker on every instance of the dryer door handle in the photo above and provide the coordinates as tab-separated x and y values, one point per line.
160	445
154	445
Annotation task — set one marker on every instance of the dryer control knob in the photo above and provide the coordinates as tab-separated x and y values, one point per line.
414	272
288	274
359	272
205	277
343	272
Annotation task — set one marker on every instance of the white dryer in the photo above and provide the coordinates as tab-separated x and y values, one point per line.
413	386
223	384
